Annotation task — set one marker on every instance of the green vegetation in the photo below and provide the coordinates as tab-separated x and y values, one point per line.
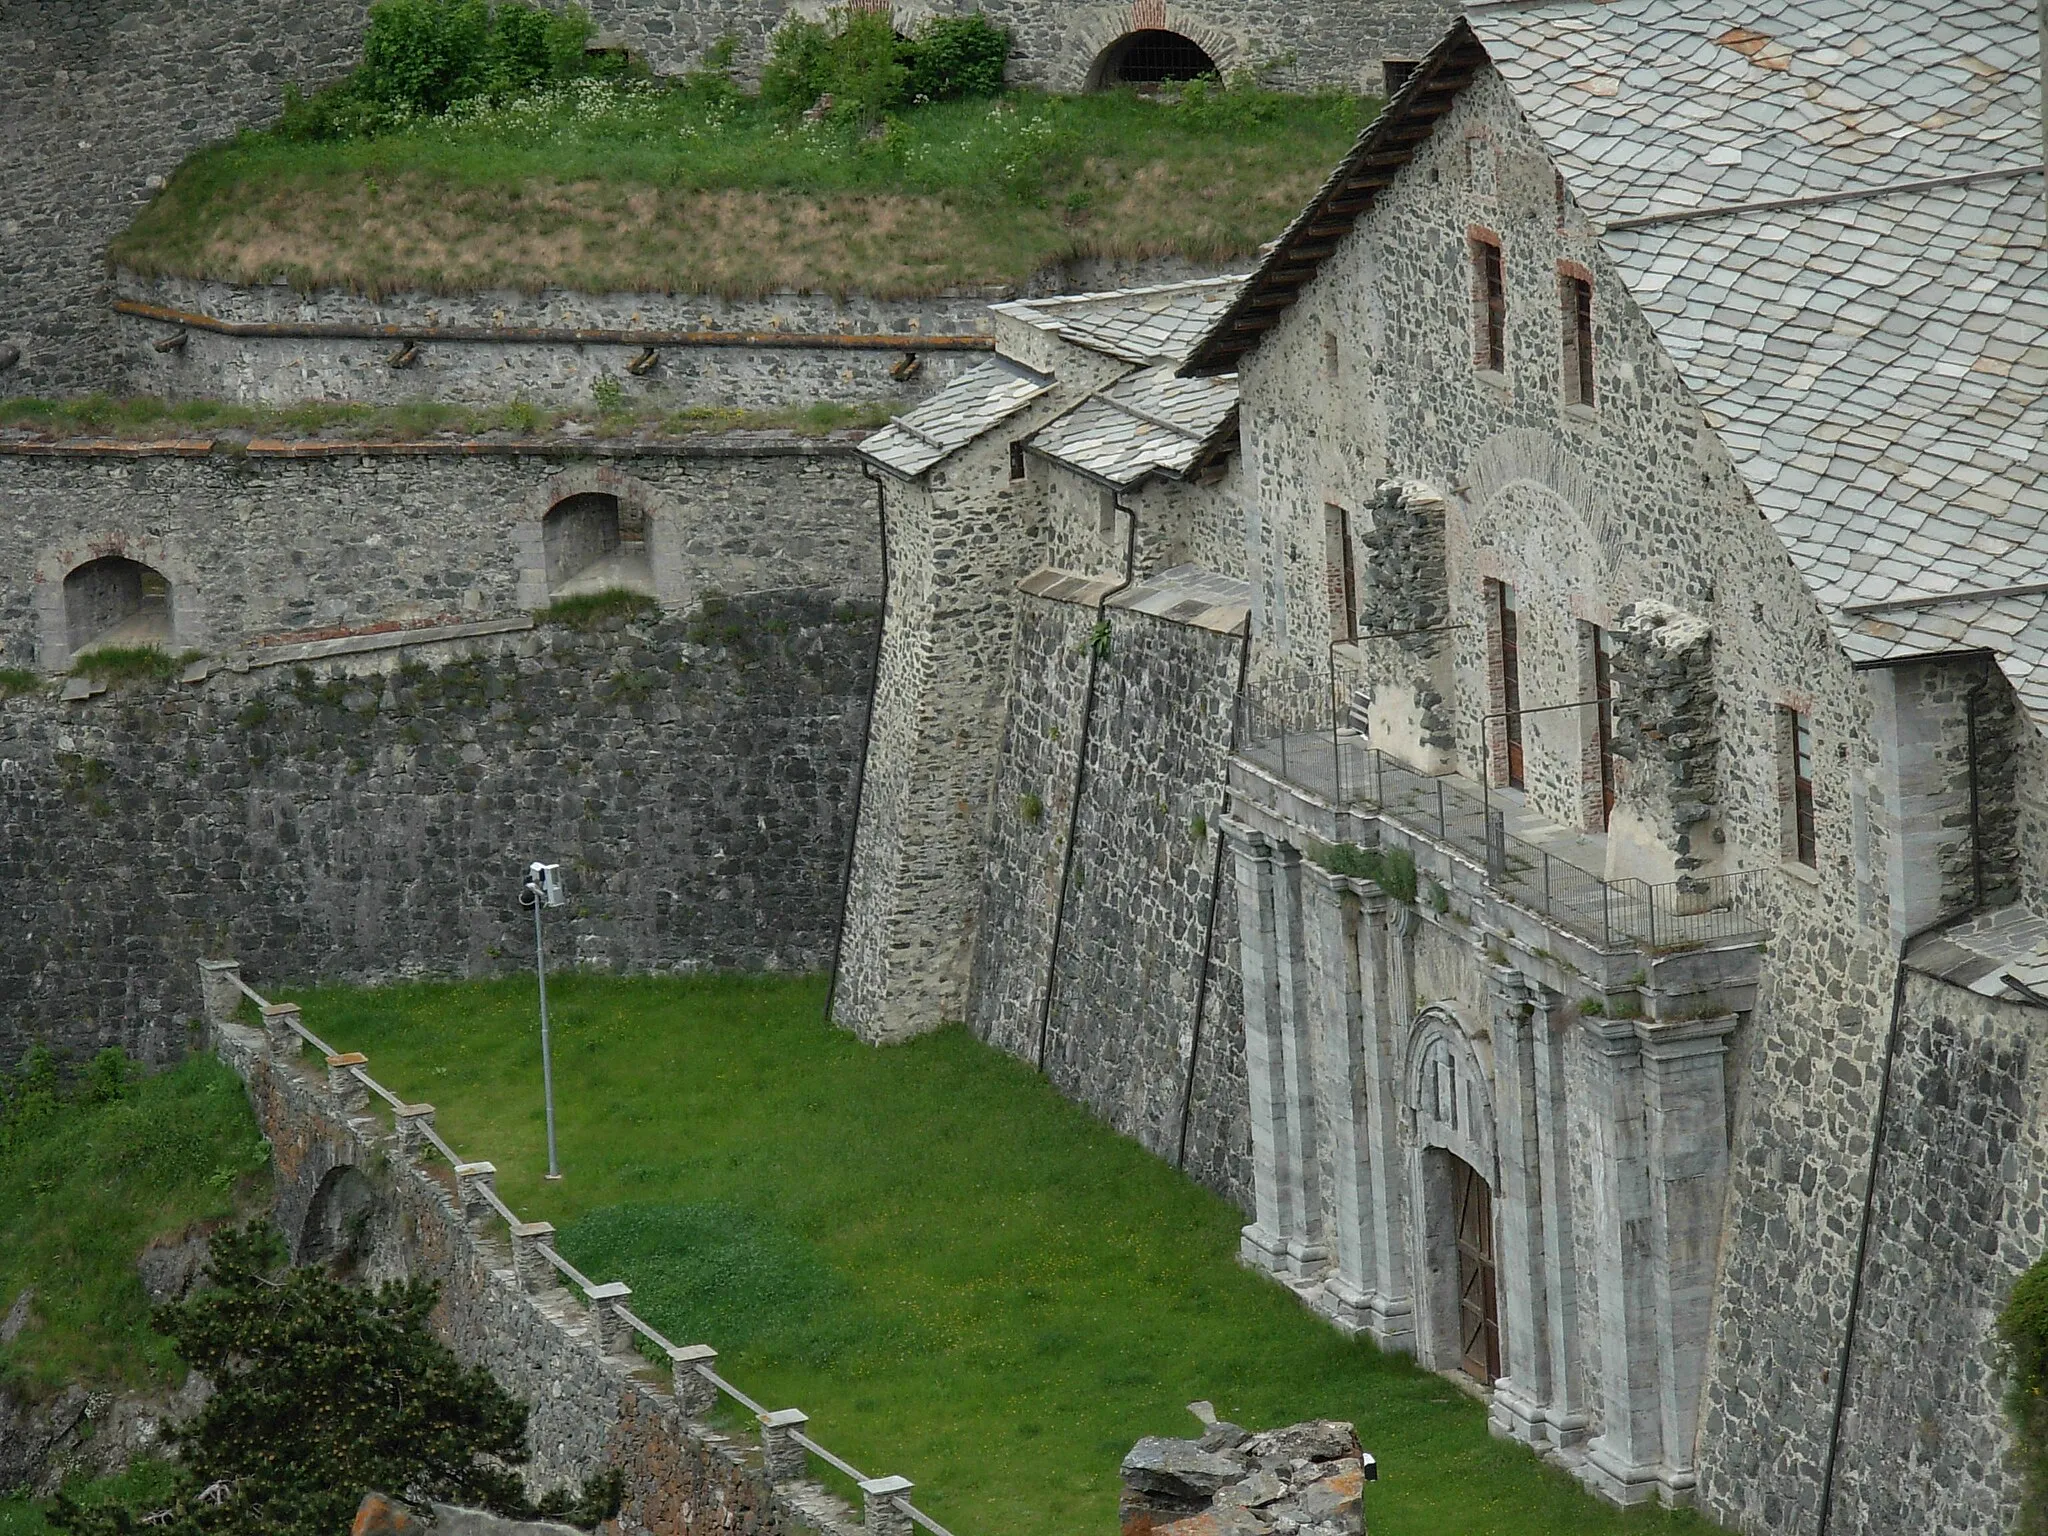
962	1277
449	171
90	1172
2023	1329
1391	869
15	680
129	663
148	415
293	1431
589	609
148	1483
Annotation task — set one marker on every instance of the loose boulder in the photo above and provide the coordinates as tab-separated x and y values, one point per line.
1304	1480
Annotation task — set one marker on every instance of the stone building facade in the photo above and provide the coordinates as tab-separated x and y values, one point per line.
1636	769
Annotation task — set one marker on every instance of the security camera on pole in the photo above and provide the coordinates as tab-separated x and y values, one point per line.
543	888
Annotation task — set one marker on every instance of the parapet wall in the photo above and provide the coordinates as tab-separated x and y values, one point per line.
592	1404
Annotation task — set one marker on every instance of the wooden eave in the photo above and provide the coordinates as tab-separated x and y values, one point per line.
1317	231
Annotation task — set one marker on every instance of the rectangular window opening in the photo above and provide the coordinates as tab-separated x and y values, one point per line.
1017	461
1603	713
1105	515
1489	306
1799	735
1342	572
1509	615
1575	301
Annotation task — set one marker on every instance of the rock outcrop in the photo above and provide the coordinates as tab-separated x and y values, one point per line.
1305	1480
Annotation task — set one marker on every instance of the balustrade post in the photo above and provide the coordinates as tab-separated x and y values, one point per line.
412	1124
280	1022
694	1395
614	1333
220	992
342	1082
472	1180
531	1267
881	1515
781	1457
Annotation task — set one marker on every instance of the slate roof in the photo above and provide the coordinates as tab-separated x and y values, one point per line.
1149	422
1137	325
1181	594
986	394
1662	106
1830	212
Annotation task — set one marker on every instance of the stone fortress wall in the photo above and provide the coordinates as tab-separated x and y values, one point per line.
105	98
356	797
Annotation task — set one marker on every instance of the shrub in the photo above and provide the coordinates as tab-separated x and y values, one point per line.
957	56
15	680
298	1429
588	609
2023	1330
1391	869
125	663
856	60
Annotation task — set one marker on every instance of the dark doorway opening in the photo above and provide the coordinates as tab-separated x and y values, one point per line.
1150	58
1478	1279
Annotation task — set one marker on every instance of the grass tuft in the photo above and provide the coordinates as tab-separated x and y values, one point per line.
129	663
961	1276
589	609
646	187
15	680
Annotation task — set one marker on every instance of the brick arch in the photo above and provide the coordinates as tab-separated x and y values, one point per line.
191	629
663	515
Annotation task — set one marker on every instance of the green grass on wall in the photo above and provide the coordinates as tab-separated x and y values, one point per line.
963	1278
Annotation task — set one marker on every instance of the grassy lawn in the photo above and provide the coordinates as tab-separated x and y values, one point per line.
960	1276
84	1187
150	416
652	187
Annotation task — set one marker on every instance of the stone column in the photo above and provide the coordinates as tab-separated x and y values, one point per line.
344	1085
1567	1409
1624	1462
614	1333
1685	1103
412	1124
1384	932
534	1272
280	1028
694	1395
475	1183
1521	1394
1336	1023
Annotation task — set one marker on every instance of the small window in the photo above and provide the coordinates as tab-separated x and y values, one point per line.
1105	515
1017	461
1575	302
116	602
1398	72
1330	354
1508	618
1342	574
1799	737
1602	641
1489	306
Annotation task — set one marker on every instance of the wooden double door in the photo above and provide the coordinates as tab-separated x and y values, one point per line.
1478	1275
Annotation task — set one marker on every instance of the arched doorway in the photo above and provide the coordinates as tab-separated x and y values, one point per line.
1454	1166
116	601
1151	57
594	542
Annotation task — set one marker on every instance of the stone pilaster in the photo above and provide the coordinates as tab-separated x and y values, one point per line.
1264	886
1330	920
1566	1412
1307	1252
1524	1389
1385	932
1625	1461
1685	1117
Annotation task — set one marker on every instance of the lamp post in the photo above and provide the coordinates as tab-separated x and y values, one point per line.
543	888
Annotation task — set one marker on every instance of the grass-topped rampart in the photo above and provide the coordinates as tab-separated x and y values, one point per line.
610	181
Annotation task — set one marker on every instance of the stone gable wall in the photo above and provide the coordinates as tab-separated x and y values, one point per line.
1587	514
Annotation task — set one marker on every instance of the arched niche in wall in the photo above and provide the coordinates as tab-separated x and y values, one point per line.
596	541
116	601
1153	56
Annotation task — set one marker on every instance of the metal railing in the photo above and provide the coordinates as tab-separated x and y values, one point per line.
695	1384
1331	760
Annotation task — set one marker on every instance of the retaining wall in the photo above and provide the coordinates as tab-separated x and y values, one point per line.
1120	1036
